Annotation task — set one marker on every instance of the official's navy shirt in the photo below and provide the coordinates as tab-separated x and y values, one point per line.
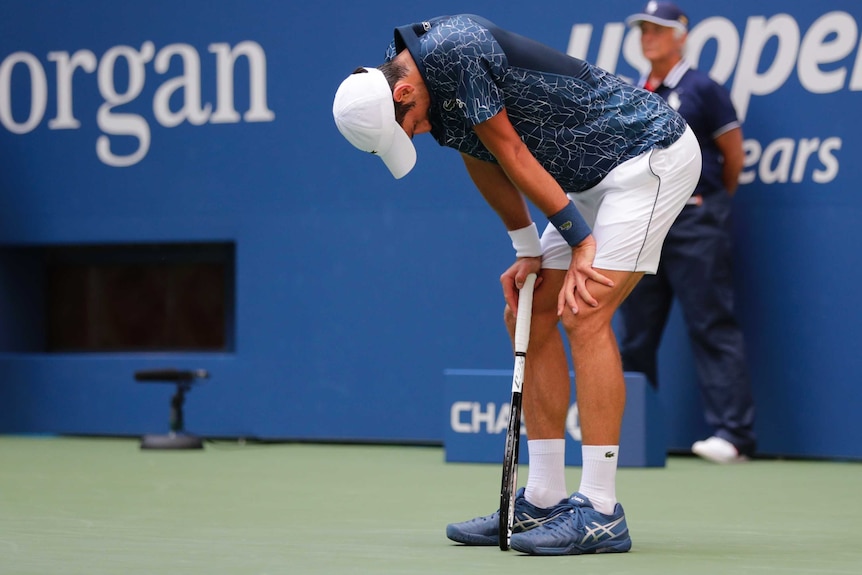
578	120
707	108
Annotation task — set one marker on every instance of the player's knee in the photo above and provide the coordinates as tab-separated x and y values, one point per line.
509	318
543	318
586	324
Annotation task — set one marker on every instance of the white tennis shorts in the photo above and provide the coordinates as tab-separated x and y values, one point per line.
631	210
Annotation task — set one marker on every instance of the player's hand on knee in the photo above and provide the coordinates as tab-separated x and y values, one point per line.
580	270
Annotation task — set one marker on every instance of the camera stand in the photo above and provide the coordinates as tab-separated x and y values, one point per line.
177	438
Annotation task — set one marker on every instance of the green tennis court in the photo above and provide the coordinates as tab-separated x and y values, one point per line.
102	506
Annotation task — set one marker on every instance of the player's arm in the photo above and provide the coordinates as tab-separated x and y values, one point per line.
528	176
521	168
511	207
730	145
499	192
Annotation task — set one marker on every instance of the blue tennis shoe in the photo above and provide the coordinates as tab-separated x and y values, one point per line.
576	529
485	530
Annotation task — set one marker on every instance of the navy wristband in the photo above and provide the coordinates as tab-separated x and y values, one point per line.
571	224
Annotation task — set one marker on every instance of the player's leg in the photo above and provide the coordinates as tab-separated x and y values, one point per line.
546	398
547	393
630	211
601	392
600	386
545	406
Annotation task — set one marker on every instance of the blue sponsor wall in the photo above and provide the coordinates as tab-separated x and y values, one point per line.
132	124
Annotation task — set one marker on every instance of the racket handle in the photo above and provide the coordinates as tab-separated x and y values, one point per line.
525	314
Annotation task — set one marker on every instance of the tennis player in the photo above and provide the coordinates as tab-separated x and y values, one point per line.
609	164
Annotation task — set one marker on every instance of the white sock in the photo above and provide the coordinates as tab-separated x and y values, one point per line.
546	484
599	476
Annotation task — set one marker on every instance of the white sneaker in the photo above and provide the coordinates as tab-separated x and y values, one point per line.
717	450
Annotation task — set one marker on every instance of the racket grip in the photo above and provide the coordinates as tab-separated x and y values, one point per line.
525	314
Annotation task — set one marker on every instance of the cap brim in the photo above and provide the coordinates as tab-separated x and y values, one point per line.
636	19
401	155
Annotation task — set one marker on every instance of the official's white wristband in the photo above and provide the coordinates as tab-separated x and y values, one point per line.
526	242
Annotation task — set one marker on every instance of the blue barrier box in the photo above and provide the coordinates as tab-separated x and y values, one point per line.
477	414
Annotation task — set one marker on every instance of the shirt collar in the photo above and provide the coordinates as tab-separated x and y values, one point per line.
673	77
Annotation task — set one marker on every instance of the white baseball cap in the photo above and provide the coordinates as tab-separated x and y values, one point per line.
365	114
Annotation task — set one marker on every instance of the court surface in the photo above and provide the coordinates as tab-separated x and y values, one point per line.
101	506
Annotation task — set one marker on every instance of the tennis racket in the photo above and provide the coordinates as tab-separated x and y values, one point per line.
513	433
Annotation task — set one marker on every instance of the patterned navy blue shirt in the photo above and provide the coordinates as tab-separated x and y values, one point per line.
707	108
578	120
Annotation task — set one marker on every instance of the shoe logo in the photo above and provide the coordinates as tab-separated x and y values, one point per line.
609	454
525	522
598	531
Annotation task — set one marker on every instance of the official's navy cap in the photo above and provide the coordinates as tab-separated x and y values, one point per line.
665	14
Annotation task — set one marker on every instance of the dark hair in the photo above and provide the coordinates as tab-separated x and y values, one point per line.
393	72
